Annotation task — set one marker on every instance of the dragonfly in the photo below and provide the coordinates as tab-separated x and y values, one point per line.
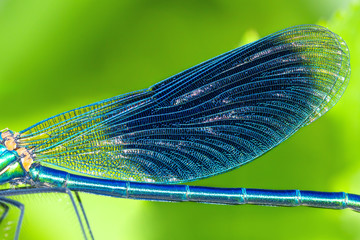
204	121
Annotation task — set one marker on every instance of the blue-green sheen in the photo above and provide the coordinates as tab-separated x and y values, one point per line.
206	120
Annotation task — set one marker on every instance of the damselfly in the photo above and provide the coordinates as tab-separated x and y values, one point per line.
209	119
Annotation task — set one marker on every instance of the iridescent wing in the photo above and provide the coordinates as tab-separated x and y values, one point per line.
206	120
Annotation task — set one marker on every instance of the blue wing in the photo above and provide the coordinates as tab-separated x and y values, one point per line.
206	120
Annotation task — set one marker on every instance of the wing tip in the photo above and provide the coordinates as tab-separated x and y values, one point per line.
342	73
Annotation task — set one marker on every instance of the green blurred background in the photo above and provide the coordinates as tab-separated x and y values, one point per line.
58	55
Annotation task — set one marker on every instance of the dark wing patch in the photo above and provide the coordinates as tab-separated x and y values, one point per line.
206	120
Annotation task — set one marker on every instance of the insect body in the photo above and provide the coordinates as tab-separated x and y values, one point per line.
204	121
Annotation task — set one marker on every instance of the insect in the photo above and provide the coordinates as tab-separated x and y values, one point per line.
207	120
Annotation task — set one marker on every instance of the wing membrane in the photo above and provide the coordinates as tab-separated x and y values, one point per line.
206	120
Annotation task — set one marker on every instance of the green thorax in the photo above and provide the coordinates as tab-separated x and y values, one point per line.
11	164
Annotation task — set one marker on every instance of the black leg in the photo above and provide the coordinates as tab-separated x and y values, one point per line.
22	191
18	205
84	214
5	208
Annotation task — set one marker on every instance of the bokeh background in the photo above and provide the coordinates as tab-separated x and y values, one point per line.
58	55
